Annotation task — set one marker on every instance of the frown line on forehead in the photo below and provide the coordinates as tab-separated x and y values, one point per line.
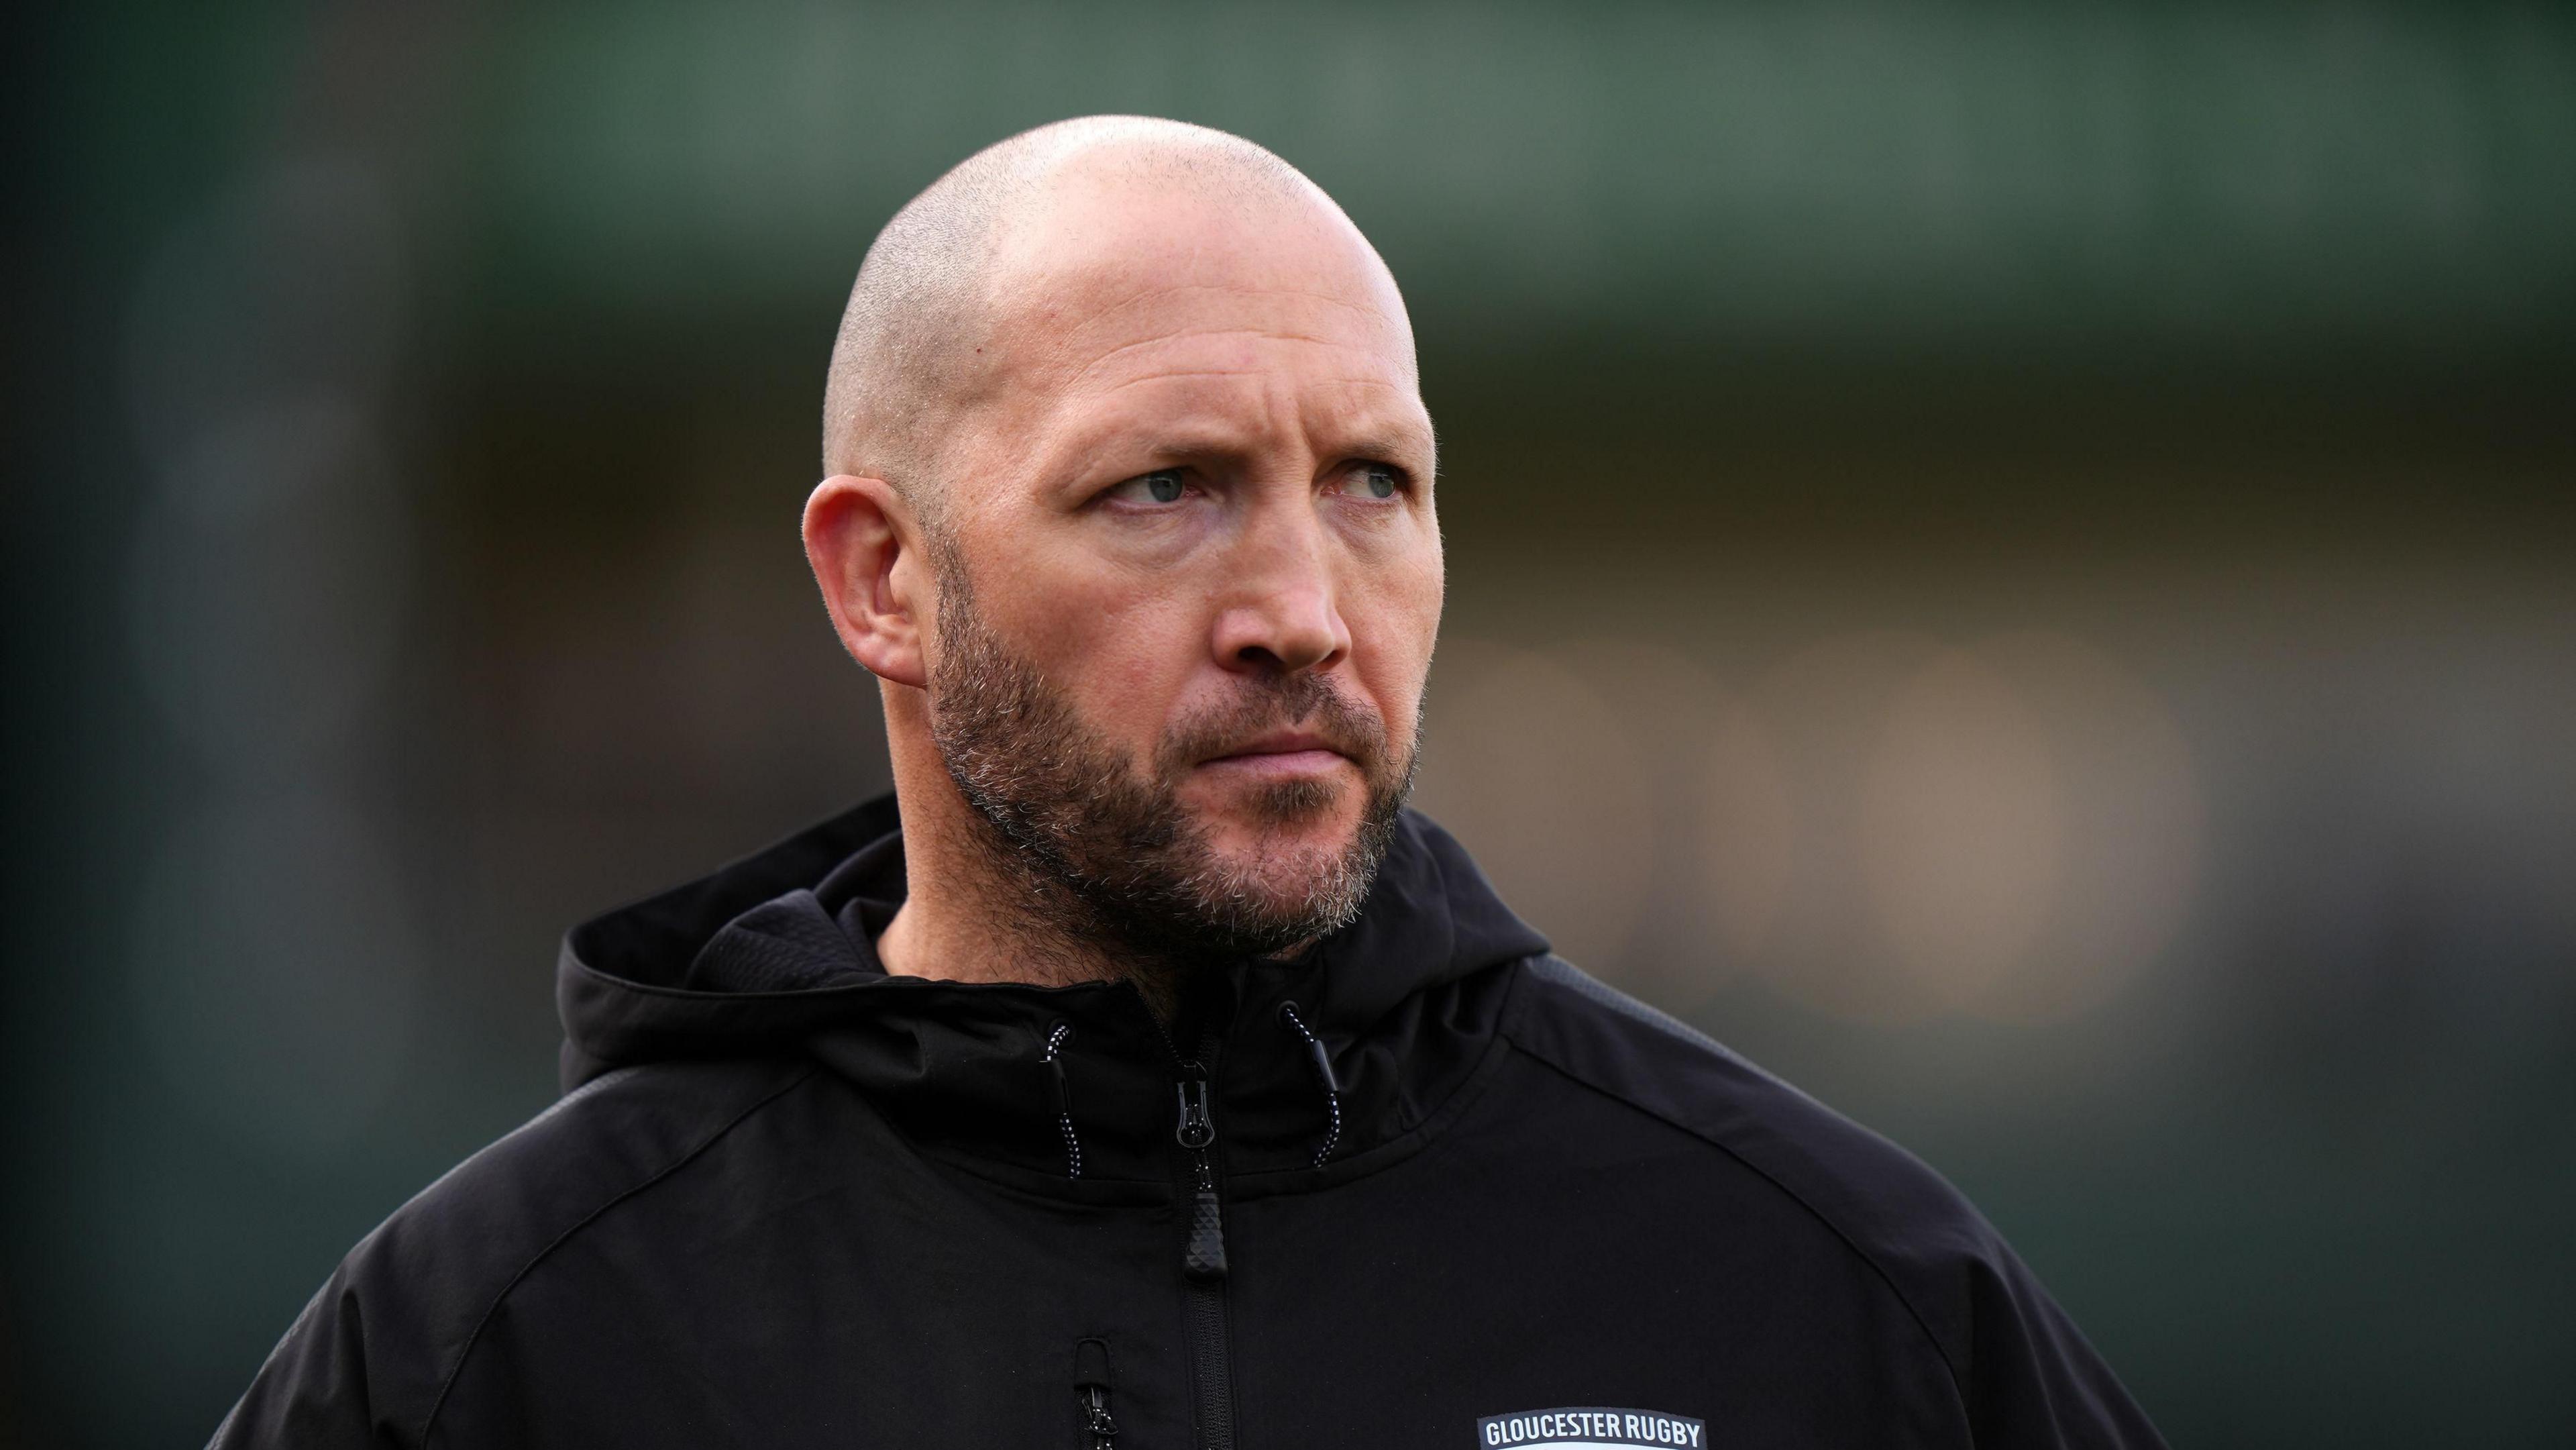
1217	419
1184	335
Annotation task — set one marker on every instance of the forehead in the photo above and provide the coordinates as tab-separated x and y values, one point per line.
1121	281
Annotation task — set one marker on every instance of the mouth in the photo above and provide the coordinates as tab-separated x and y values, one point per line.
1280	755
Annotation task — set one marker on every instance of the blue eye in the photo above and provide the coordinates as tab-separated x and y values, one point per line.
1163	485
1371	480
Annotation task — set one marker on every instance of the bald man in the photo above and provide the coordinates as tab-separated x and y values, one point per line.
1141	1073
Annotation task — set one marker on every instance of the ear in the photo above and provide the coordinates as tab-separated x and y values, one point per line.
865	550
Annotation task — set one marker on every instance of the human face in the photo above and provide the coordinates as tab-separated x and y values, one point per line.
1194	512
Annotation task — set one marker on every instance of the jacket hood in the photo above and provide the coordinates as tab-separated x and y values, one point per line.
774	955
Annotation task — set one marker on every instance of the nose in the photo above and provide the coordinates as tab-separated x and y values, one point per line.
1281	615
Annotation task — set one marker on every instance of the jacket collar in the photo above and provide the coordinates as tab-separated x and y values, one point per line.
775	955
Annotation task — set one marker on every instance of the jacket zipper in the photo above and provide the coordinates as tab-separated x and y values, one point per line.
1091	1394
1203	1258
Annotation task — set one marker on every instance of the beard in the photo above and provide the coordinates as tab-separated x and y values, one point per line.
1102	857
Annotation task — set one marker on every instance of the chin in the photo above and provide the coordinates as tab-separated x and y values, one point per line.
1283	880
1285	823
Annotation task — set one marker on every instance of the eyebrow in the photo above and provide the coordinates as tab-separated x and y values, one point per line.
1377	441
1390	447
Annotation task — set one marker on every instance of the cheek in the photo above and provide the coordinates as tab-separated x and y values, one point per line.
1121	648
1398	624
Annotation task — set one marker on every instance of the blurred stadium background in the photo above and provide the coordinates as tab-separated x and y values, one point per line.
2011	561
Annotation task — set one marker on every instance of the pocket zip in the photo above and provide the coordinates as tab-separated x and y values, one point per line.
1091	1387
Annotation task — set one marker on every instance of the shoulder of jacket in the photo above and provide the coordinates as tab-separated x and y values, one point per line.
430	1275
1920	1234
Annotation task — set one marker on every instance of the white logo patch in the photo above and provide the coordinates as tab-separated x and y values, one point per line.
1591	1427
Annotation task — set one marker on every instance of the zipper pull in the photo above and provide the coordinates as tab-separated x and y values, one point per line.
1204	1256
1197	1129
1091	1391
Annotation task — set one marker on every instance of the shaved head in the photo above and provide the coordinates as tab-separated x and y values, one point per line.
911	354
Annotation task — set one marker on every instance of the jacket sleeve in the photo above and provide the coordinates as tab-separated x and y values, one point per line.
316	1390
2031	1380
367	1362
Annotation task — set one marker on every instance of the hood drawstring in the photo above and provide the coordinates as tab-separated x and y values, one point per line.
1323	1064
1053	1057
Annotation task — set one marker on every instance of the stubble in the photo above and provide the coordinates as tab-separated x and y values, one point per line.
1100	861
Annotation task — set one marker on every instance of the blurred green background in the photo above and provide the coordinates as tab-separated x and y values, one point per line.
2011	561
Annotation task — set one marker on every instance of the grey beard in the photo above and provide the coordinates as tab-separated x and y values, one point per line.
1099	858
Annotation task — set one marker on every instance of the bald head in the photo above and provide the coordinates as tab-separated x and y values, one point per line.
917	344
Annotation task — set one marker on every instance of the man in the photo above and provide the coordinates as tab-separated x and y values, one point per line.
1141	1074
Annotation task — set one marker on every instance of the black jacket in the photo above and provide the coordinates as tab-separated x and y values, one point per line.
1427	1186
